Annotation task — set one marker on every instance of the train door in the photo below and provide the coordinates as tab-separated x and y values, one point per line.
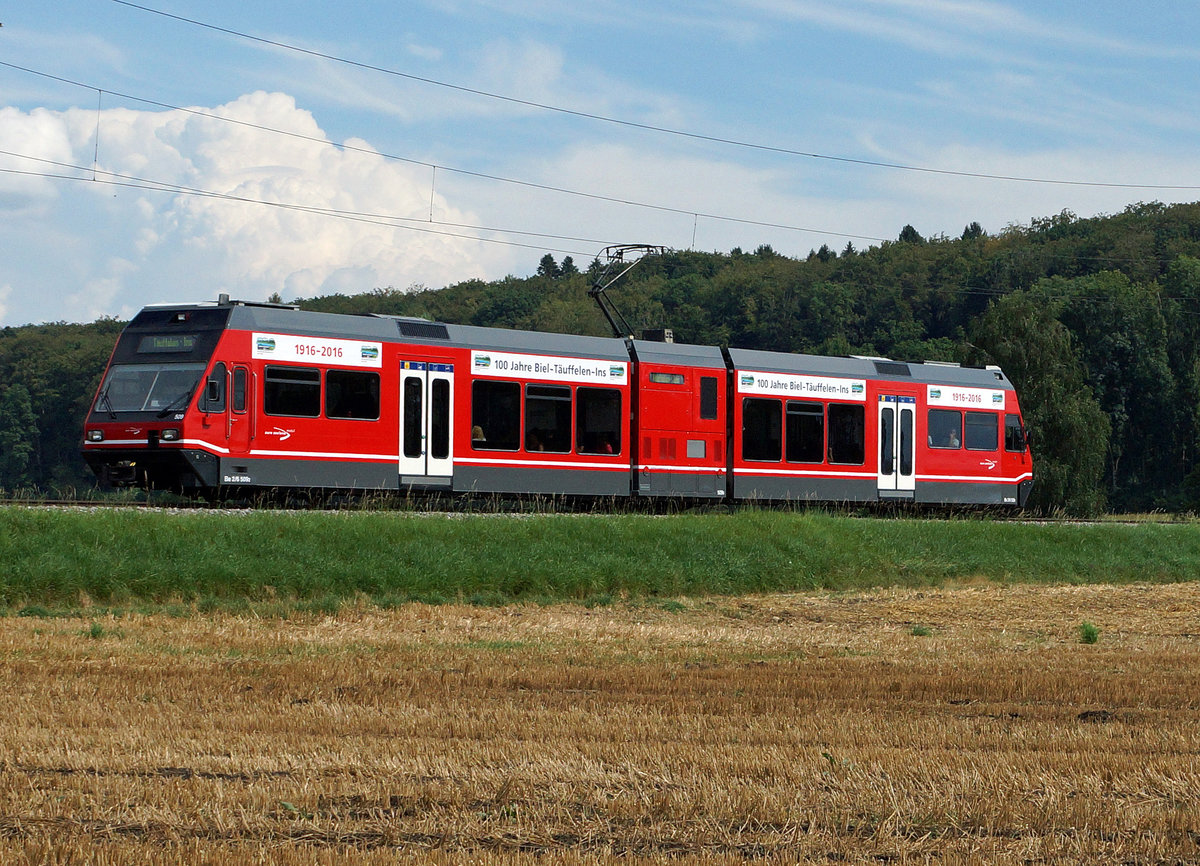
240	418
426	422
897	420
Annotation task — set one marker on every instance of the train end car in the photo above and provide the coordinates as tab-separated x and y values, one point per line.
238	395
810	428
202	397
138	431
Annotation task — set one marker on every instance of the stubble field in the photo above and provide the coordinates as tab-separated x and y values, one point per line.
955	725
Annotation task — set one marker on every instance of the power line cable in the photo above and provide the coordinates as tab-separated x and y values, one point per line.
391	220
450	169
131	182
412	223
388	221
714	139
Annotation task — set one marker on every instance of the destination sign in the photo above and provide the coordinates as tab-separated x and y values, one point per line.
166	343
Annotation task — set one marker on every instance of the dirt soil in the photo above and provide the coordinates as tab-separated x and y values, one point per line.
964	725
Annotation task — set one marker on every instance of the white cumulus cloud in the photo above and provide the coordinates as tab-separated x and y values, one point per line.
191	203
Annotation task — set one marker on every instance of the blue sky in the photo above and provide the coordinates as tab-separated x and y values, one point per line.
309	148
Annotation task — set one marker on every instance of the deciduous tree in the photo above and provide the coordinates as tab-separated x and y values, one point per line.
1071	433
18	437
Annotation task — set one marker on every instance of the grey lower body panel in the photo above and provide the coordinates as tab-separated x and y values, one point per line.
867	490
192	468
331	474
703	485
548	481
985	493
784	489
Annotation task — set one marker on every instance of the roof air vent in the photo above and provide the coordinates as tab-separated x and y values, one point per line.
892	368
422	330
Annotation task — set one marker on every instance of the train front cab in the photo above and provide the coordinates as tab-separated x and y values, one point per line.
812	428
298	400
970	439
267	397
136	433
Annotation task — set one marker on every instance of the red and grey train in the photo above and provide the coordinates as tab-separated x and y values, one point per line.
218	396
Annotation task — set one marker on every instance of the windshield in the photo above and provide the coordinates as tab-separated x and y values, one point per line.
148	387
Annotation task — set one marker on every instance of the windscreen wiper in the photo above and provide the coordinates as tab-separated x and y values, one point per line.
176	404
112	413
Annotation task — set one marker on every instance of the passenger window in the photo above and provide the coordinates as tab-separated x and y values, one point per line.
293	392
805	432
548	418
983	431
495	416
597	421
708	398
762	429
945	428
847	434
352	395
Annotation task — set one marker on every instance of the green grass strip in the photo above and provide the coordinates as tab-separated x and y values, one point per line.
60	559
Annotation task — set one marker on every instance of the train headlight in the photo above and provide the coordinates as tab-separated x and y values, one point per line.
171	434
95	435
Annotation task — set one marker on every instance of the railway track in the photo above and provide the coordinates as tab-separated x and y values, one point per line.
547	505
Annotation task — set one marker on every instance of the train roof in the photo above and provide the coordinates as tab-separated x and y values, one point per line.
855	367
679	354
502	339
291	319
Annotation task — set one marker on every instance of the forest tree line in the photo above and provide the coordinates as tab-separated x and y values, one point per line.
1096	321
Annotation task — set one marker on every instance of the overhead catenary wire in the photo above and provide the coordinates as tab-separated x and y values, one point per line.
130	182
417	224
350	148
664	130
387	220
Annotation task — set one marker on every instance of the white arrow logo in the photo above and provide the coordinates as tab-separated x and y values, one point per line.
284	435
